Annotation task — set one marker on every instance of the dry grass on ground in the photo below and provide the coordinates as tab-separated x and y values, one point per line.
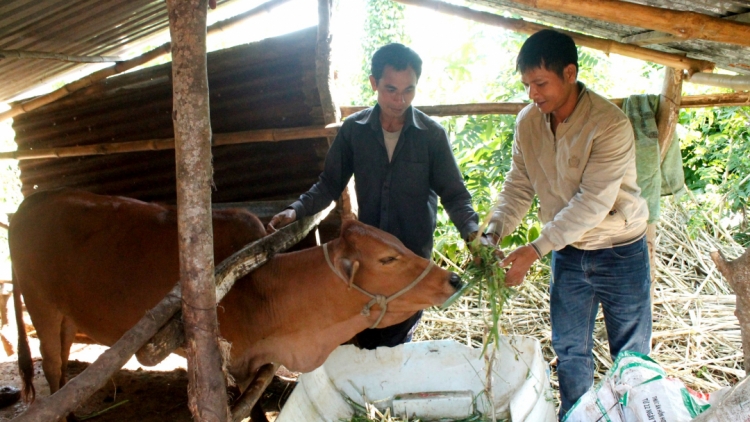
696	336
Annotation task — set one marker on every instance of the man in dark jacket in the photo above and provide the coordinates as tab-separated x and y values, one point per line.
401	161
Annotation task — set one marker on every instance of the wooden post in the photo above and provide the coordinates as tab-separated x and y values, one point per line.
324	79
737	273
207	396
669	108
666	122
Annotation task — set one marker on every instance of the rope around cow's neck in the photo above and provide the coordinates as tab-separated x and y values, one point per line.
380	300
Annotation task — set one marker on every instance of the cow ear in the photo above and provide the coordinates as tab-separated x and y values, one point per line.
349	269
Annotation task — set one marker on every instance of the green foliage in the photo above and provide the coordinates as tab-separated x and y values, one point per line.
384	25
715	146
485	275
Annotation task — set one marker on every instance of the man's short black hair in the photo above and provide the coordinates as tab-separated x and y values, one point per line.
396	55
547	49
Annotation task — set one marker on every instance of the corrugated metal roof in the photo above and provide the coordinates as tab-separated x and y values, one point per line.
74	27
269	84
726	56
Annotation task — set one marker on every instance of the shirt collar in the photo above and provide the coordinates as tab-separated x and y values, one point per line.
373	119
581	91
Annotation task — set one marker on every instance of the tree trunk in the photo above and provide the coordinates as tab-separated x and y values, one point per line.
669	108
324	79
207	398
737	273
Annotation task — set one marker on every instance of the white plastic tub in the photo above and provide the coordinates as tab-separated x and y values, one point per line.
401	377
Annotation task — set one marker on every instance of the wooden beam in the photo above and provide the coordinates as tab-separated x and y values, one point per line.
455	109
657	37
649	38
219	139
669	109
608	46
22	54
99	373
246	403
683	25
240	264
308	132
207	384
735	82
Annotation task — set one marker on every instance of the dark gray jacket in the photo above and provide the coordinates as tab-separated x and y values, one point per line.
399	197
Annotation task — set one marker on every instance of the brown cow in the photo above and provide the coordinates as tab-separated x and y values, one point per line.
96	264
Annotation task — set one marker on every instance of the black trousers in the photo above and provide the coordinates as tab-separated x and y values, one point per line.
394	335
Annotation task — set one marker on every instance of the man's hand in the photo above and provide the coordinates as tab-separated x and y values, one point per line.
520	261
281	219
484	240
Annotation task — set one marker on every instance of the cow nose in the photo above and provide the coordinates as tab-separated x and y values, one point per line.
455	281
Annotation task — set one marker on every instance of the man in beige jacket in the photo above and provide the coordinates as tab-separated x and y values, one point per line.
575	151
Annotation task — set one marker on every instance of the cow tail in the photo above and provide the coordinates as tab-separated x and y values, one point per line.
25	364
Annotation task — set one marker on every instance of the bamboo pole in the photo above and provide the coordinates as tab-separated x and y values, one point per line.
219	139
207	395
128	64
96	375
735	82
669	109
608	46
248	400
230	270
280	135
682	24
455	109
22	54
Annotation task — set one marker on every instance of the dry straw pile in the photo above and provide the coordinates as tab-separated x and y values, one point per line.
696	336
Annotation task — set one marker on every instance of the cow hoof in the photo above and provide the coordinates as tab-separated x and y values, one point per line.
9	395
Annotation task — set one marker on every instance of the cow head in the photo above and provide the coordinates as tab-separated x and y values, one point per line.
380	265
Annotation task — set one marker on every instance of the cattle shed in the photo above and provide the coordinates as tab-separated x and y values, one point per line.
281	84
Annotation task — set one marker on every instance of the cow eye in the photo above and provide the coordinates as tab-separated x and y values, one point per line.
387	260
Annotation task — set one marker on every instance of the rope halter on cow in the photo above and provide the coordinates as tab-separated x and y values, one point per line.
380	300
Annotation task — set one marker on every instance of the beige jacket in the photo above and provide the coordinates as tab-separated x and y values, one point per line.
584	176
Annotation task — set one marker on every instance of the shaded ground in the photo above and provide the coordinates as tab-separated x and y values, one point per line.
132	395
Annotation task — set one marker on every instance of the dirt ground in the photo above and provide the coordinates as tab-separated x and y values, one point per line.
134	394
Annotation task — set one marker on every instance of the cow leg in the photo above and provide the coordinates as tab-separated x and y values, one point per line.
67	336
48	324
258	414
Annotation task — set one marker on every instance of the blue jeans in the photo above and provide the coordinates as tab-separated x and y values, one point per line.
619	278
